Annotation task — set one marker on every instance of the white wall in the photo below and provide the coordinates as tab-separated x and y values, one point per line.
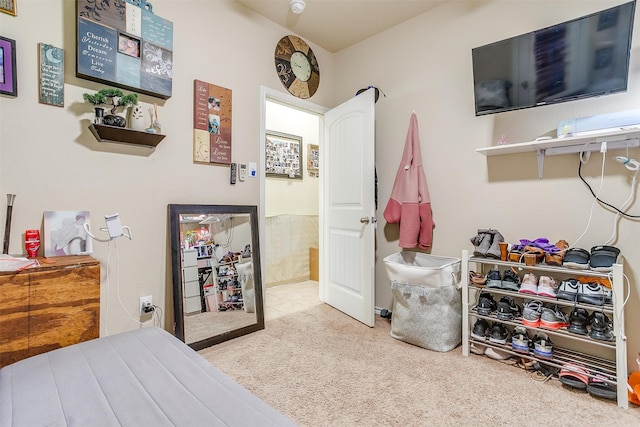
51	161
292	196
425	65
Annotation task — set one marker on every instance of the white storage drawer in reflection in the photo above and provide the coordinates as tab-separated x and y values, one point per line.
190	274
191	289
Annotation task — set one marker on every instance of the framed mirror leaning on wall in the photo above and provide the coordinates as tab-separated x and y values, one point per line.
217	286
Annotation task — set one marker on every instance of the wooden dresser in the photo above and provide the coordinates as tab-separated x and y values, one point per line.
50	306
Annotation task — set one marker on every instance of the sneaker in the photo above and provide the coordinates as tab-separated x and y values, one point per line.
542	346
576	258
497	354
553	318
531	313
507	309
601	327
608	295
603	257
476	348
480	330
486	304
569	289
529	284
520	340
499	333
578	321
494	280
547	287
510	281
591	293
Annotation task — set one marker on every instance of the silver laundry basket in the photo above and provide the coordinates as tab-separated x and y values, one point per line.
427	300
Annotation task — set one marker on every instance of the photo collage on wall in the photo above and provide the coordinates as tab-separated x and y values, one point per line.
282	155
123	43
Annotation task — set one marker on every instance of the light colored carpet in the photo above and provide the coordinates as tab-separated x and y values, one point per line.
322	368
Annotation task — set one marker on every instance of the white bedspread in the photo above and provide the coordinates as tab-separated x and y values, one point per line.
145	377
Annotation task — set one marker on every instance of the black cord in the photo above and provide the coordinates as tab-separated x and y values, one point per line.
601	201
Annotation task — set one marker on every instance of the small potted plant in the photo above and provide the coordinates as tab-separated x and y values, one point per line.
113	98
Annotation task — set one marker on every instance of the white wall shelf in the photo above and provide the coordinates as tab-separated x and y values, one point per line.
616	139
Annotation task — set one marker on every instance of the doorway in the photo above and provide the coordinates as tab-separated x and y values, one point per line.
346	202
289	205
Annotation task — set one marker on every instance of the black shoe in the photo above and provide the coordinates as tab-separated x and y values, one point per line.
507	309
578	321
510	281
486	304
600	327
480	329
494	279
499	333
602	385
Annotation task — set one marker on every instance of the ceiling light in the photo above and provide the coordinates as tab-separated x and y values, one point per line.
297	6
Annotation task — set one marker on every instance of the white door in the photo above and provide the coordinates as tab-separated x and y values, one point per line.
348	208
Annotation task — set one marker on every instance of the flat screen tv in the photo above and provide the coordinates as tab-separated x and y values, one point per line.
582	58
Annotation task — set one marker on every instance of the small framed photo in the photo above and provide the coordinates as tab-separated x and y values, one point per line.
64	233
128	45
8	75
8	6
313	160
283	155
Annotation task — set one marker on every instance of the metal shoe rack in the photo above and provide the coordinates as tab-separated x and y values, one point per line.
608	358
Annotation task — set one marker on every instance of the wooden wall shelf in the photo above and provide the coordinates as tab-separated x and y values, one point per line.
118	135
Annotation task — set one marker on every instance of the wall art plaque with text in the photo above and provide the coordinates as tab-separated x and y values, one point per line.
124	44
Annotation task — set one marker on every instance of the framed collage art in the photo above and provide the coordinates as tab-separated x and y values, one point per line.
124	44
211	123
8	6
283	153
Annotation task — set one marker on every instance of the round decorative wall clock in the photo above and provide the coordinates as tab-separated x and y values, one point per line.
297	67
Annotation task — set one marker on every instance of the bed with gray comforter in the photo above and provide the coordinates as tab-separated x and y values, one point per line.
145	377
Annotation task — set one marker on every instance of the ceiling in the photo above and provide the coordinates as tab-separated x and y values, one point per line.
338	24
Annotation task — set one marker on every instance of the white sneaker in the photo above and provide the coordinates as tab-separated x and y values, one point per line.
529	284
569	289
477	348
547	287
591	293
497	354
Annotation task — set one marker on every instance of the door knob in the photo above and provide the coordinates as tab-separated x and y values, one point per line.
364	220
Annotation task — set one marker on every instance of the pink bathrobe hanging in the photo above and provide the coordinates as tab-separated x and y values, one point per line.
410	204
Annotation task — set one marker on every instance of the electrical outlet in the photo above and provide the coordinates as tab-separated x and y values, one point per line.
146	305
